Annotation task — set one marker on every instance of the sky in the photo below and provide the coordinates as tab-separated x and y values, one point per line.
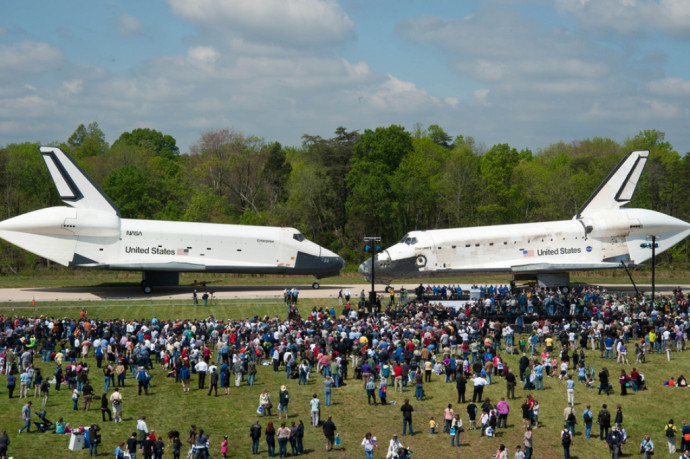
527	73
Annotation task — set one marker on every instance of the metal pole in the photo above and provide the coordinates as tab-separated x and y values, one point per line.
653	267
373	241
372	297
637	292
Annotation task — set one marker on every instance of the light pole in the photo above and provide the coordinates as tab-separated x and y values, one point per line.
652	245
373	245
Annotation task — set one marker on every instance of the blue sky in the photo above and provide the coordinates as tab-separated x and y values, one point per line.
525	73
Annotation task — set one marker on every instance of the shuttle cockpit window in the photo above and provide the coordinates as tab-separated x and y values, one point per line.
298	237
408	240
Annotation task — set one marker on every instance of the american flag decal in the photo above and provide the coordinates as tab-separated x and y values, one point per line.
528	253
183	251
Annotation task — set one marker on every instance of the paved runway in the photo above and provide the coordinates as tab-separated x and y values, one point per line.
222	292
182	292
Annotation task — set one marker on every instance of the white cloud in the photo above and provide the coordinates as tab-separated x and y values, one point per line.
630	17
281	22
481	95
72	87
203	57
512	53
28	57
674	87
128	24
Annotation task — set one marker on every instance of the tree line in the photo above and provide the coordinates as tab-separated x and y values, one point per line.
379	182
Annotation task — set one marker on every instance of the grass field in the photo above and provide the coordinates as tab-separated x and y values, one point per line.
169	408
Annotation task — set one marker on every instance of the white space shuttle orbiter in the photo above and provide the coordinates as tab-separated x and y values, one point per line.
90	234
602	235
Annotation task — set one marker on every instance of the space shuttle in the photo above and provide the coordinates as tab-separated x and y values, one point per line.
602	235
89	233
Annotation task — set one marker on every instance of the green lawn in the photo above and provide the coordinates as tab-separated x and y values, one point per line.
169	408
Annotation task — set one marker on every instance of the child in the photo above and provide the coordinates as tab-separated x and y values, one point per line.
224	447
382	392
472	414
535	414
432	425
519	453
564	370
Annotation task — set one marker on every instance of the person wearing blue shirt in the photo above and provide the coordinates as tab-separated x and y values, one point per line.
570	389
539	377
608	343
26	417
588	417
142	380
119	452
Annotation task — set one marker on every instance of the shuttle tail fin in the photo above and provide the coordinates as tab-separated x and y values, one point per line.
73	186
618	188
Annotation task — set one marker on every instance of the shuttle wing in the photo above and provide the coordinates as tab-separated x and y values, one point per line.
618	188
73	186
562	267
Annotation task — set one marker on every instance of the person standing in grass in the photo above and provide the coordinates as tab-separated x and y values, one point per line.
185	376
283	438
26	417
299	436
328	383
283	401
570	389
265	403
369	444
587	417
566	441
647	447
271	439
604	421
105	409
407	410
329	433
527	441
670	431
224	447
255	434
455	429
315	410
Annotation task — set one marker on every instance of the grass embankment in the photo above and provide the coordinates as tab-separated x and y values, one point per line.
169	408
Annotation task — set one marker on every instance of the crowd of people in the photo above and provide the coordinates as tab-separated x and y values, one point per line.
555	333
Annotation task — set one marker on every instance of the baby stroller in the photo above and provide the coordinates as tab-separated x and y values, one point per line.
45	424
641	383
294	373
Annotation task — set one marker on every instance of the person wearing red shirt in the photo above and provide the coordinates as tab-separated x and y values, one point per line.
397	372
634	379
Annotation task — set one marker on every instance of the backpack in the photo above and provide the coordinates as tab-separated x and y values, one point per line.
587	417
606	418
571	417
565	441
669	431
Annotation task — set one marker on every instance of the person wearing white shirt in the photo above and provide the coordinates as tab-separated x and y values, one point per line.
201	368
142	430
393	447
